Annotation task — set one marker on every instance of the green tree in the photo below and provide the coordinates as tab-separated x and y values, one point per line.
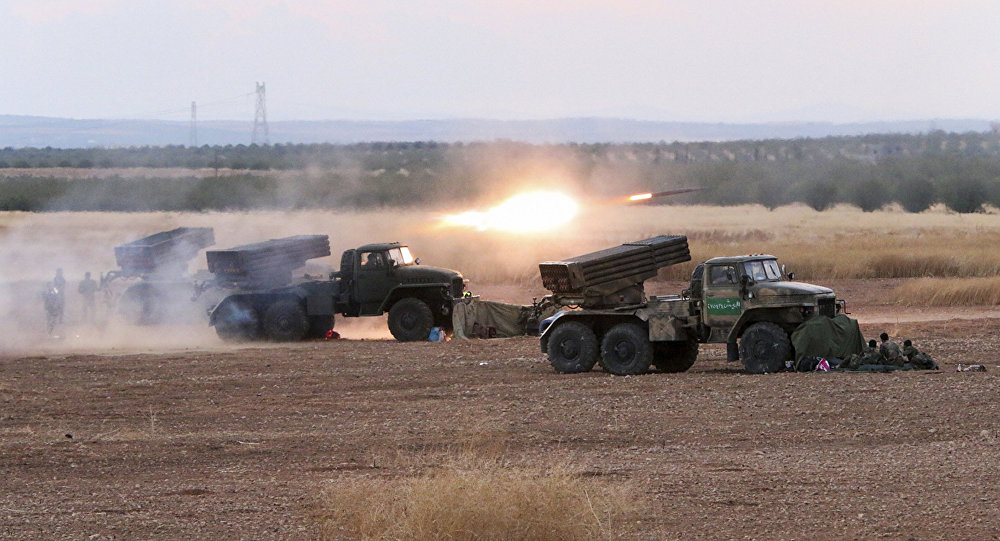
869	194
916	195
964	195
820	195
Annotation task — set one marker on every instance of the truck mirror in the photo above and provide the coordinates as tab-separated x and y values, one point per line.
746	281
417	261
791	276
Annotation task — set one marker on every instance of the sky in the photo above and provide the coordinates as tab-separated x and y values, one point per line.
683	60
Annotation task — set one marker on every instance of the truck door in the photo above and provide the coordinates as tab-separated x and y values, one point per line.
374	281
723	302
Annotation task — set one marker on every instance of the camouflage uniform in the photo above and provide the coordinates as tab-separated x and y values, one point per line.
918	359
891	353
870	355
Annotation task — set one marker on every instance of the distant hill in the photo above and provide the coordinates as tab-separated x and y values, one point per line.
33	131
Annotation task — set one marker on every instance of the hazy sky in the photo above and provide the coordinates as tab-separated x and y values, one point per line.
698	60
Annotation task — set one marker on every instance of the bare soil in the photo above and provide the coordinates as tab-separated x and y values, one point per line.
239	442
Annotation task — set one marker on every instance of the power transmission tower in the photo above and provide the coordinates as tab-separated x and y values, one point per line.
193	139
259	136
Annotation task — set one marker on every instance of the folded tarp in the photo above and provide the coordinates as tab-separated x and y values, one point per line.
837	337
476	318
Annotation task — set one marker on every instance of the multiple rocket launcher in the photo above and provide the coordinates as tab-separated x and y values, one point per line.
261	264
614	276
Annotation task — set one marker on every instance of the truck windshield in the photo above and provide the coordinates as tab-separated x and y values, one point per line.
762	271
401	256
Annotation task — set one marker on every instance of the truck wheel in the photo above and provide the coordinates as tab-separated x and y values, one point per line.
410	320
285	321
626	350
572	348
141	304
672	357
237	322
764	348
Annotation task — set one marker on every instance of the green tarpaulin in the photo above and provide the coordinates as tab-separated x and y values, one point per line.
837	337
475	318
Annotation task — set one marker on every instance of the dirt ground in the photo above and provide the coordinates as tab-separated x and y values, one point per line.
239	442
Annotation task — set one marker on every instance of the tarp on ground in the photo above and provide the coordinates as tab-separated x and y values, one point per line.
476	318
837	337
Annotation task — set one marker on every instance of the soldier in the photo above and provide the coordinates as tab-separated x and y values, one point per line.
59	283
88	289
50	299
918	359
890	351
870	356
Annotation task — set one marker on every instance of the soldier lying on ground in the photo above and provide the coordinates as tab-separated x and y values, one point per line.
872	359
870	356
918	359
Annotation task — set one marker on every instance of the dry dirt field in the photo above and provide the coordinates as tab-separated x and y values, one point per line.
240	442
166	433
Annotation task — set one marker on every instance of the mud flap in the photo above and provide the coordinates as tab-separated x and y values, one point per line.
732	352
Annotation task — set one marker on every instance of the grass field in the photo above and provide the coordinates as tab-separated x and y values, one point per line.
839	243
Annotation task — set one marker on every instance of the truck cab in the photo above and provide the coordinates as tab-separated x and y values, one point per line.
734	286
375	277
748	293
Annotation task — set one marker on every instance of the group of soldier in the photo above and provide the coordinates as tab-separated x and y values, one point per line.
54	300
889	356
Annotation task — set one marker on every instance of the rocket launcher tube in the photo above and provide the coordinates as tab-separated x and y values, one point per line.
613	276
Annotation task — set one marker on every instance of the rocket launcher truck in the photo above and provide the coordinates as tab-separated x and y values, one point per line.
373	279
746	302
159	262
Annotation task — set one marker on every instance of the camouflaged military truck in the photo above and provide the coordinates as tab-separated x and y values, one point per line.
746	302
373	279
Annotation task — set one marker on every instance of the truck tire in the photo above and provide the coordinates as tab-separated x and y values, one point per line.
285	321
237	322
572	348
410	320
673	357
764	348
141	304
626	350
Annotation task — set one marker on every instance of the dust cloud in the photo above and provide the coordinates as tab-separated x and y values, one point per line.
36	244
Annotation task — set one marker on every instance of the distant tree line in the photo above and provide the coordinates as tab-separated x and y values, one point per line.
961	171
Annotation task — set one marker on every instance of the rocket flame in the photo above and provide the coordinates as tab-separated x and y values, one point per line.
523	213
640	196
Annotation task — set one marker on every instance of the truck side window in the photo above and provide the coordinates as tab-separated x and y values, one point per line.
371	260
720	275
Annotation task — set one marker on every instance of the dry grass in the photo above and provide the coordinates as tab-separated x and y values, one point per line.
949	292
476	499
839	243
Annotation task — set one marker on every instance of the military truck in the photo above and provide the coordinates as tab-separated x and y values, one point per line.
373	279
158	264
746	302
